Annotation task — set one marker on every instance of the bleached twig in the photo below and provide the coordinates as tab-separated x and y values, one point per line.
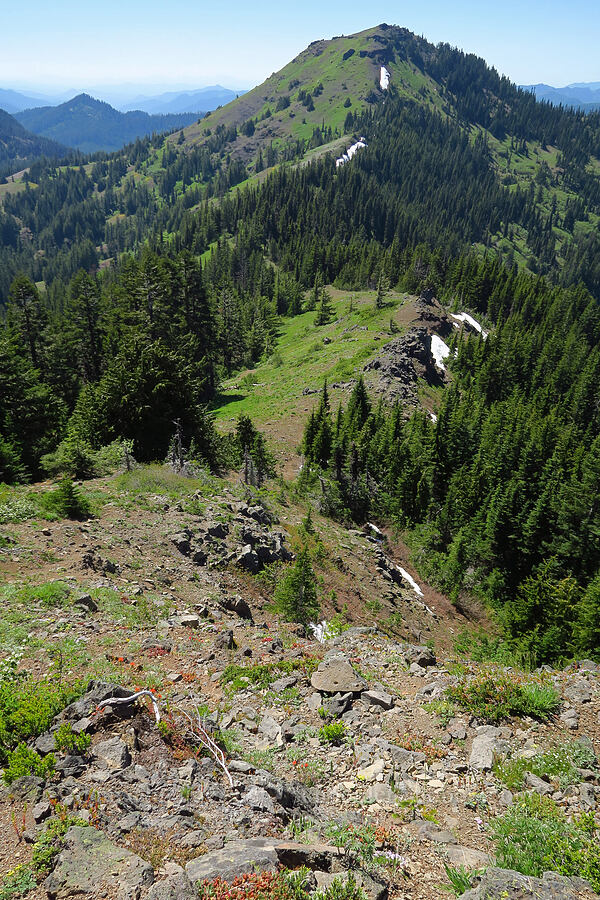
199	733
117	701
196	729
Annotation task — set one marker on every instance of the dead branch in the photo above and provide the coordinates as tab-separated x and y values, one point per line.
117	701
198	733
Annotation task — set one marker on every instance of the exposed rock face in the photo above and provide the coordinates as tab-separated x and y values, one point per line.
502	884
89	864
407	358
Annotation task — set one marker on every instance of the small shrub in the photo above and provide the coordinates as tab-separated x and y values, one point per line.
50	842
23	761
460	878
54	593
262	759
16	509
283	885
307	769
559	763
17	883
66	502
443	709
158	847
333	733
66	739
494	698
239	678
341	889
27	706
534	836
356	842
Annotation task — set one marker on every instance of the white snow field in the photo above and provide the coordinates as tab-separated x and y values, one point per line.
347	156
465	317
439	351
410	580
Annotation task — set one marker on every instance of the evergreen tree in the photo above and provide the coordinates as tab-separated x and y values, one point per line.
296	598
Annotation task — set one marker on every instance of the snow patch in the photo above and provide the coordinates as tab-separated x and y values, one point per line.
320	630
410	580
465	317
384	78
433	417
439	351
347	156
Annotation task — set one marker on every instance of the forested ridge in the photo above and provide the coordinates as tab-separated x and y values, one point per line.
134	283
501	493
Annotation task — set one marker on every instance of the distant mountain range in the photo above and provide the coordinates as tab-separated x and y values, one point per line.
19	147
582	95
14	101
203	100
126	99
90	125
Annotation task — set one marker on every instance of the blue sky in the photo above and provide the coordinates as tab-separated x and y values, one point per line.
72	44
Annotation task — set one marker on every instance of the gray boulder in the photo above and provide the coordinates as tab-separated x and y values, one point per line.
182	542
85	601
249	560
97	692
335	676
503	884
257	798
28	788
175	887
112	753
225	641
236	858
238	606
89	865
378	698
570	718
337	705
578	691
488	747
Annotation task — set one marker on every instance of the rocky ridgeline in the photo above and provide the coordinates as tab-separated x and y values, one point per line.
395	764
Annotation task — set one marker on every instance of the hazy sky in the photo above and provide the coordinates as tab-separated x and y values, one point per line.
72	44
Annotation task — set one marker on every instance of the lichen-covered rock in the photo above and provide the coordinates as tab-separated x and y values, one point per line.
89	865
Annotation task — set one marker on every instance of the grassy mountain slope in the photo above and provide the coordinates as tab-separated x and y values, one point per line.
91	125
318	104
277	393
